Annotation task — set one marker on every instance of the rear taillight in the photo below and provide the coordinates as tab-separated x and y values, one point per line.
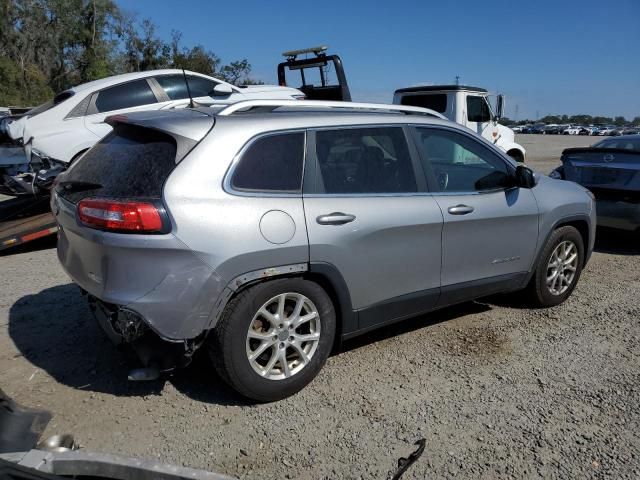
120	215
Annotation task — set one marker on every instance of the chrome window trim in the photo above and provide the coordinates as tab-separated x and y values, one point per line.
227	186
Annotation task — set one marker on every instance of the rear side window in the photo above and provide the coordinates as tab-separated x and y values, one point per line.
127	95
273	163
436	101
365	160
130	162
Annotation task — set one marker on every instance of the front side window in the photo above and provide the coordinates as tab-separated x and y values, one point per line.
365	160
477	109
201	87
459	163
126	95
273	163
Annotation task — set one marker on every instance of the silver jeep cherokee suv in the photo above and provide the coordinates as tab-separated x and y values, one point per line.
269	231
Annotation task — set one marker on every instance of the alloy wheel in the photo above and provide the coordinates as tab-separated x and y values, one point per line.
561	269
283	336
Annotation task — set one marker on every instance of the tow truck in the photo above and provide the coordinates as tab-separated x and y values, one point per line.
23	219
24	201
316	74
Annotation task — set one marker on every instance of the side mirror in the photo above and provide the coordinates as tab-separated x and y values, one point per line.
221	90
500	107
525	177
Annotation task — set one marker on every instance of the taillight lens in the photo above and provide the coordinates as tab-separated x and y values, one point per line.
120	215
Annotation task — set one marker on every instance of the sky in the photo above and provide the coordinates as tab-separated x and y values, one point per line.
546	57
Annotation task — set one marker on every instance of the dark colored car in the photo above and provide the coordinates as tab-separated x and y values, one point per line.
553	129
611	170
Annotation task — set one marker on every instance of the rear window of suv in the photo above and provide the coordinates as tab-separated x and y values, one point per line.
130	162
272	163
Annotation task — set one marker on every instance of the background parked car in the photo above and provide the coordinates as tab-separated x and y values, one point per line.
552	129
611	170
575	130
61	130
609	131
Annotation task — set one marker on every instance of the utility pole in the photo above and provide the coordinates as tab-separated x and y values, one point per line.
457	79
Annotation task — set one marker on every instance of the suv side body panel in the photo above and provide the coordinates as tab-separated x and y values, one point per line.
229	231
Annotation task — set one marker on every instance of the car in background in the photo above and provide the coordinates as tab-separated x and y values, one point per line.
552	129
575	130
536	128
608	131
58	132
630	131
611	170
188	228
518	128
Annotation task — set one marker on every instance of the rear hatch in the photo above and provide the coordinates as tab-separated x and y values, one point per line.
603	169
128	167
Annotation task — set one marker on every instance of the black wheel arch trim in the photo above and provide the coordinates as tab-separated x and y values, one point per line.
347	317
557	224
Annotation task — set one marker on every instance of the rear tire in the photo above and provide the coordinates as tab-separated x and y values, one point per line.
263	349
558	269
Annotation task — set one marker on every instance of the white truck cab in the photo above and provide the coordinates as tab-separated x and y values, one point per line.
468	106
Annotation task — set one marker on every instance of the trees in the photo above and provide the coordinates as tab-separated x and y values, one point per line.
47	46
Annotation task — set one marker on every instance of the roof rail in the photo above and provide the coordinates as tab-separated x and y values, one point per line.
271	105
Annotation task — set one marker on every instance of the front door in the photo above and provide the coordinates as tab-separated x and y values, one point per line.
490	227
369	217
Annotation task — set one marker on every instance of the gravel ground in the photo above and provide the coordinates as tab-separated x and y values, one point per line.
496	391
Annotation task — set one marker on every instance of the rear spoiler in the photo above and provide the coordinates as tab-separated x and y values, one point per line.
186	126
568	151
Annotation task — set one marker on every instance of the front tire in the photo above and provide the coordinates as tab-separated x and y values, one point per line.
558	269
274	338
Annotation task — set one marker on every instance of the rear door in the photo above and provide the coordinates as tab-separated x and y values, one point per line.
368	215
490	228
127	97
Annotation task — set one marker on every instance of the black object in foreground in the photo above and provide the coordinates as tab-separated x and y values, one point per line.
20	428
405	463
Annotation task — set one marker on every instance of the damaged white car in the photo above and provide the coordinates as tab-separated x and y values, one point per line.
56	133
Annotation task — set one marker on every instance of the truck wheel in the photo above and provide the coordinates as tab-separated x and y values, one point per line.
516	155
558	268
274	338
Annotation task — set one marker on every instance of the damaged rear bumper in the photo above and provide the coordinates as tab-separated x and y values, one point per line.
127	328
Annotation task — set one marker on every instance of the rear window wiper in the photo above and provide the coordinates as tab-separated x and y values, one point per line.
78	185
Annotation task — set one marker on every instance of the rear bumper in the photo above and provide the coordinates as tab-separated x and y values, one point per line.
155	276
618	214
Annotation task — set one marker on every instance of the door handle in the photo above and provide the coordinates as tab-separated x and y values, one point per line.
335	218
460	209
